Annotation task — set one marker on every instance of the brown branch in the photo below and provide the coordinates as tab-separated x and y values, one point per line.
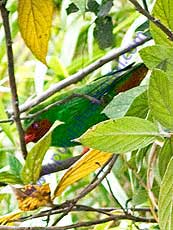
12	81
157	22
89	188
79	75
87	223
108	219
59	165
7	120
111	218
80	208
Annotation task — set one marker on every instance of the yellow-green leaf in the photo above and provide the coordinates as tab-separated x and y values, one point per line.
162	11
8	219
35	18
32	167
165	211
120	135
84	166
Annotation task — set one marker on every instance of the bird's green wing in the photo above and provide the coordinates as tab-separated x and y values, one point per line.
80	113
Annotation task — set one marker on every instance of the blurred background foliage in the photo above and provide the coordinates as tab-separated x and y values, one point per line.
77	39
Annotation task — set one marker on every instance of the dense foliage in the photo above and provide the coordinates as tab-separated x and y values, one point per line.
94	82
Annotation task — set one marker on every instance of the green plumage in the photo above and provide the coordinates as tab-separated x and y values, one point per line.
79	114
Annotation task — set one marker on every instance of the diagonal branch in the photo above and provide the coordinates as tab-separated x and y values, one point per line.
80	75
12	81
157	22
89	188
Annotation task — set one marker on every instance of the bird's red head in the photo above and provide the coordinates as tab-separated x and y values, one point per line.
37	130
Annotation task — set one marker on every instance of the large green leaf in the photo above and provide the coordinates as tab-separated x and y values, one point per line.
32	167
165	199
120	104
165	155
163	11
160	95
157	56
139	107
120	135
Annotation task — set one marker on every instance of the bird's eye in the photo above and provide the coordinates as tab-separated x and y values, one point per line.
35	126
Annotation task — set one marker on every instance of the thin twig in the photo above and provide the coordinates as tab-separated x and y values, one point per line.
145	5
61	102
59	165
12	81
57	103
8	120
110	188
89	188
150	177
113	196
87	223
104	220
100	171
80	208
135	174
79	75
157	22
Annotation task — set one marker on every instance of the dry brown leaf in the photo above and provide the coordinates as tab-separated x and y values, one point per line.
31	197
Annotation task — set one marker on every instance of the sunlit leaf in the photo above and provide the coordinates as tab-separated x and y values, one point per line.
165	155
13	163
9	178
32	167
8	219
32	197
162	11
7	203
160	94
139	107
35	18
70	41
157	56
165	199
120	135
84	166
10	169
122	102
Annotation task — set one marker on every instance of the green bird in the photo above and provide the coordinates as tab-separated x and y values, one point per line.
81	107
